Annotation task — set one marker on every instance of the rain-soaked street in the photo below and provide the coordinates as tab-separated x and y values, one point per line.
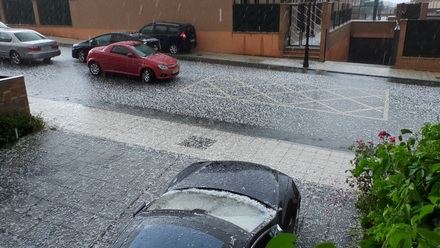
113	142
327	110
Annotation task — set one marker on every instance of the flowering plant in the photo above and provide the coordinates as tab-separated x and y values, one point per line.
399	188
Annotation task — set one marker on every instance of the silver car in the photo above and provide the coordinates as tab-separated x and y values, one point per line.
2	25
24	44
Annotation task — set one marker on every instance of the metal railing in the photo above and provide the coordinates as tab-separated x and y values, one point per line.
297	31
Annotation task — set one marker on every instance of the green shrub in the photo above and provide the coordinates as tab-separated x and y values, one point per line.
399	184
18	124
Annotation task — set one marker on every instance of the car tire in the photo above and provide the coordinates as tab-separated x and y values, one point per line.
15	58
147	76
47	61
82	56
95	69
174	49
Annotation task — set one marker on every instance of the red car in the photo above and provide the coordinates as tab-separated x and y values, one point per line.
132	58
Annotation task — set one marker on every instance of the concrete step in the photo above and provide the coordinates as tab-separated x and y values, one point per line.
299	53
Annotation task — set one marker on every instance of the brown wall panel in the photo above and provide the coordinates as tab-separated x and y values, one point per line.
370	29
13	96
205	15
338	43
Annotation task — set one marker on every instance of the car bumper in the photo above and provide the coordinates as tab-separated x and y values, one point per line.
168	74
42	54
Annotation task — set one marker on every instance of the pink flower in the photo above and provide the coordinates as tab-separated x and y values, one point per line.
383	135
392	139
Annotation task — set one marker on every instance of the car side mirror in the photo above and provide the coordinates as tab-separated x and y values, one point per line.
130	55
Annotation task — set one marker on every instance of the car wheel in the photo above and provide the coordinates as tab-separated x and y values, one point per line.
15	58
95	69
174	49
82	56
47	60
147	76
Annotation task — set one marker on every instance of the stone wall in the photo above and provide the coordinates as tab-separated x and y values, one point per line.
13	96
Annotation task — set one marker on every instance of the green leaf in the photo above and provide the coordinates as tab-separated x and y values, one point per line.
434	195
282	240
435	168
425	210
326	245
405	131
429	236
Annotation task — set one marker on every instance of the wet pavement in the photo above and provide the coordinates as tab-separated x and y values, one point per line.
61	189
328	110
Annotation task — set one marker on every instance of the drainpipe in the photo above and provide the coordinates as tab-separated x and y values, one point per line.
396	37
36	14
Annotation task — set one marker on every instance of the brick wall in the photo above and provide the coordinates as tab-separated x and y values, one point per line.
13	96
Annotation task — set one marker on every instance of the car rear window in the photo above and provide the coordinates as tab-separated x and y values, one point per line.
28	36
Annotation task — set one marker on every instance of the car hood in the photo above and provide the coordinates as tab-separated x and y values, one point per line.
161	58
255	181
173	228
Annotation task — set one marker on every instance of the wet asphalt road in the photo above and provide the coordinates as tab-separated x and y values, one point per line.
327	110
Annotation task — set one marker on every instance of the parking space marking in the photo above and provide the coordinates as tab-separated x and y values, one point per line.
322	97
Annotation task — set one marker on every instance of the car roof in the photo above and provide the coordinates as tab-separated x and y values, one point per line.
15	30
194	228
173	23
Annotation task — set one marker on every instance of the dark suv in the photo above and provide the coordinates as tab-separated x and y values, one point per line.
173	37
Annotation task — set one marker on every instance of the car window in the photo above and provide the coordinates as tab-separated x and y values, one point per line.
147	29
173	29
103	40
160	29
28	36
237	209
4	37
120	37
143	50
120	50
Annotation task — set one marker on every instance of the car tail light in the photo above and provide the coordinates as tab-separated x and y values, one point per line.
55	46
34	49
183	35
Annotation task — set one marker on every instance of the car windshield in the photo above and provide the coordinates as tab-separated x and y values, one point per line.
237	209
143	50
28	36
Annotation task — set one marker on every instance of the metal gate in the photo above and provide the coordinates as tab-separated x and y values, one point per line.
296	34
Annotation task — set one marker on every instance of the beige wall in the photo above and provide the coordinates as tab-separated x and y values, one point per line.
211	18
205	15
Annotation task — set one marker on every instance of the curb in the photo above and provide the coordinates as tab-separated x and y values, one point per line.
303	70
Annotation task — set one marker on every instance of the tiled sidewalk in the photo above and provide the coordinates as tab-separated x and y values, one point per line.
307	163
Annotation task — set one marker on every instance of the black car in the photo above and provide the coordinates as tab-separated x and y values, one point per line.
217	204
174	37
80	50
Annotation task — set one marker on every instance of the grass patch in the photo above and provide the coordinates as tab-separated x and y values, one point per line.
17	125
